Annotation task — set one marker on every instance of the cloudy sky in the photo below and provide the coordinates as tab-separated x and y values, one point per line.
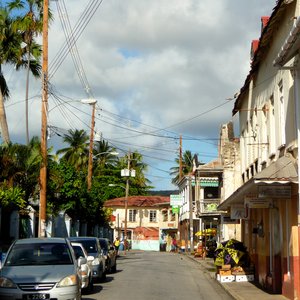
158	69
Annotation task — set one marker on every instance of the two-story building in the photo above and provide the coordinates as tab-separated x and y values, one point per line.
150	221
268	110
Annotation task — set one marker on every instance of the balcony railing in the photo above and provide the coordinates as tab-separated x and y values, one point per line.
207	206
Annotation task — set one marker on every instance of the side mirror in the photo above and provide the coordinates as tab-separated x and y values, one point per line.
81	261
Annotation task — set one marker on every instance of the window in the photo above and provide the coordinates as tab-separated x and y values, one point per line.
281	115
164	215
172	215
152	216
132	215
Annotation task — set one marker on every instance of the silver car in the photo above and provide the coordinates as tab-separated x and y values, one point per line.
93	248
41	268
86	270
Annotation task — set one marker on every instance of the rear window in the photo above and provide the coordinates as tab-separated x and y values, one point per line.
103	244
39	254
89	245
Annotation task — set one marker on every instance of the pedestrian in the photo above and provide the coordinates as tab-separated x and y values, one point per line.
174	245
117	244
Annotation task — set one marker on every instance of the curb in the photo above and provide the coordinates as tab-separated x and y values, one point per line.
212	275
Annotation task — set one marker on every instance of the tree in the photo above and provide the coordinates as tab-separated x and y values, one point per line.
30	23
77	153
103	157
187	166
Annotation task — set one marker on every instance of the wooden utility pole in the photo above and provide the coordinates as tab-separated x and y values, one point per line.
90	163
43	170
126	202
180	158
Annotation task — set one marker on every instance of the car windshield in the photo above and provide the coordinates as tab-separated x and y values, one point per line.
39	254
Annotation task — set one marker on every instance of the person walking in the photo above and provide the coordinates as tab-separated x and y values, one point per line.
117	244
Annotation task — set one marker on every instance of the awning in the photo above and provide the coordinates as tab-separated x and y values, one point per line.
281	171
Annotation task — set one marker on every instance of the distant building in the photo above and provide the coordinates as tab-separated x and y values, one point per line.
150	221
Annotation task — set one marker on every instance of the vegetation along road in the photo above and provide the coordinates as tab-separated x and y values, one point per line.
157	275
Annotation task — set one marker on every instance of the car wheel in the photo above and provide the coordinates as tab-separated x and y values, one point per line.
90	286
103	277
109	266
114	268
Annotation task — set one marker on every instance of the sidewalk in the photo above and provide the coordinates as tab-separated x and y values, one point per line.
238	290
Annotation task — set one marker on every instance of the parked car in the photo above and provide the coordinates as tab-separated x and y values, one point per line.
40	268
93	248
110	255
86	269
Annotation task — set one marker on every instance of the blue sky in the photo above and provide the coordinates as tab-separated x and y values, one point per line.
159	70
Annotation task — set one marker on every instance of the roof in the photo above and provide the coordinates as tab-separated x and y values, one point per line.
138	201
263	46
147	232
282	170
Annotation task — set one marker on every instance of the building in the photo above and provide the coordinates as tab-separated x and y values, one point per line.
150	221
267	199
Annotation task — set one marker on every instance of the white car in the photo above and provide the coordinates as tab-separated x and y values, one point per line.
86	269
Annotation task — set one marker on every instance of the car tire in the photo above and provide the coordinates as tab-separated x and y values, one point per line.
90	287
114	268
103	277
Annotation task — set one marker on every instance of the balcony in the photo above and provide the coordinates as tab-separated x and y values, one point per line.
207	207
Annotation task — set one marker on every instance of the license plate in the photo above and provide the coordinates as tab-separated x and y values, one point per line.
36	296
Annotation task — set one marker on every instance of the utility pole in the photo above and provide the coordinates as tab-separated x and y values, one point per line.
43	170
180	158
90	163
191	222
126	203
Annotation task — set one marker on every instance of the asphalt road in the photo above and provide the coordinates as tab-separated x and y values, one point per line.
157	276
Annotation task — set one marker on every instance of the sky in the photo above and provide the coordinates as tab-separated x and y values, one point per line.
159	70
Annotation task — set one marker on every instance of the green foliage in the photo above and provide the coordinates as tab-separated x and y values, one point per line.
12	196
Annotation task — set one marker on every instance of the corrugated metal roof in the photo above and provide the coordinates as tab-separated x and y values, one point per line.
283	169
264	45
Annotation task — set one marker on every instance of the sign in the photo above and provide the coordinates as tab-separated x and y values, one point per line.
274	191
238	212
175	209
176	200
258	202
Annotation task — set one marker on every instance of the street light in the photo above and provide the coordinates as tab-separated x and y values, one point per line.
106	152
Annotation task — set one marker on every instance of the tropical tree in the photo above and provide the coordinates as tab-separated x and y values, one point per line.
30	24
139	184
186	165
103	157
11	52
77	153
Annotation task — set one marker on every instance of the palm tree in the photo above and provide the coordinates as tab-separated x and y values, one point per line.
103	156
77	154
11	52
187	166
30	23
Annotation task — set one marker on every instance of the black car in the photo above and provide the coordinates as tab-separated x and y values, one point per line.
110	255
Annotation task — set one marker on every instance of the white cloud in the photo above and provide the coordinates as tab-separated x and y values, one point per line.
157	63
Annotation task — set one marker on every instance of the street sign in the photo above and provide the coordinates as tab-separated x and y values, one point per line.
175	209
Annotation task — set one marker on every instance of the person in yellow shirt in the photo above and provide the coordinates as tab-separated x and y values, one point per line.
117	244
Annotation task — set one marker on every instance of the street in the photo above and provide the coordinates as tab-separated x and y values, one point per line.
157	275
